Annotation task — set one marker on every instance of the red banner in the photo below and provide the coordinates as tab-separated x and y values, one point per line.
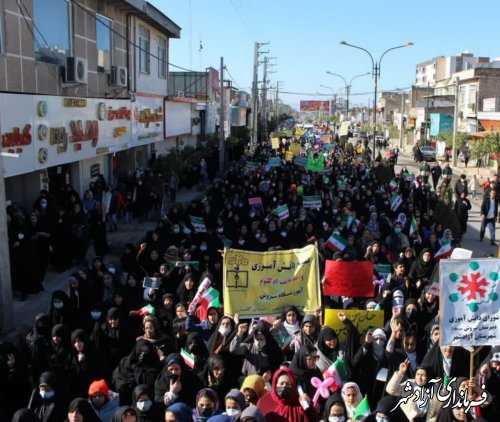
315	106
353	279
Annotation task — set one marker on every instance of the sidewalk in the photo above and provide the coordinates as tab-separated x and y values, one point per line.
24	312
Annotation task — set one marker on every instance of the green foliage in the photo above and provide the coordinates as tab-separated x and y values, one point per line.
492	142
479	148
393	132
447	137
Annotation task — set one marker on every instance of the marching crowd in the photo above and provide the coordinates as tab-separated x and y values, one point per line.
109	349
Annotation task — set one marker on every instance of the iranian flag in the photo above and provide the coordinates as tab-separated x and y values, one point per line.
396	201
208	299
362	410
413	225
338	372
188	358
282	212
443	252
336	243
313	201
393	184
198	224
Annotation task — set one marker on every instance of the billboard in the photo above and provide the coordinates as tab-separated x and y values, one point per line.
315	105
440	123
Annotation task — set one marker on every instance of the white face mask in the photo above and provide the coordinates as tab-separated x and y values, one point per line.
260	343
224	330
177	230
232	412
95	314
203	247
336	418
20	236
241	241
144	406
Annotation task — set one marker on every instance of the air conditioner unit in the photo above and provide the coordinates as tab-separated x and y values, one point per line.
76	70
118	76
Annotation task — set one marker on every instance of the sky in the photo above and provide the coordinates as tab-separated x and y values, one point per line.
304	40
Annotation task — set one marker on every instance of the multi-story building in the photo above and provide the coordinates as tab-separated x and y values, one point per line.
443	67
82	91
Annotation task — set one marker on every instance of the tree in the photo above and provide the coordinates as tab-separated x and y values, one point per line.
447	137
479	148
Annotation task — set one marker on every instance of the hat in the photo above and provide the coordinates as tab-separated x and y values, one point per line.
378	332
97	387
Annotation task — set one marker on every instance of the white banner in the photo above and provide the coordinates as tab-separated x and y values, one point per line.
469	299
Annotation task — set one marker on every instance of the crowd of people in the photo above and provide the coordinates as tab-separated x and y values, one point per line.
109	349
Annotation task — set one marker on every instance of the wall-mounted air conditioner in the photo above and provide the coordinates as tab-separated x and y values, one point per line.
118	76
76	70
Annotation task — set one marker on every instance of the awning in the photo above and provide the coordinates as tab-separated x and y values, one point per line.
490	125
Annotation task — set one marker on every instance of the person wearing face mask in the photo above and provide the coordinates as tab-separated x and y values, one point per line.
206	327
207	405
369	360
384	411
48	401
282	402
234	404
259	350
60	310
397	240
141	366
422	406
147	410
220	342
335	409
176	383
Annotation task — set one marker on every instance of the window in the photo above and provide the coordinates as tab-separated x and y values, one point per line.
103	42
144	49
162	58
52	41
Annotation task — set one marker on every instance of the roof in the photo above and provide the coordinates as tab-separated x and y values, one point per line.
149	14
483	134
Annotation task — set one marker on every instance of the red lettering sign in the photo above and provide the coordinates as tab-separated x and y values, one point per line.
121	114
17	138
91	132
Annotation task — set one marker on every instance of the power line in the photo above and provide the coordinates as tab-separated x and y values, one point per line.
231	77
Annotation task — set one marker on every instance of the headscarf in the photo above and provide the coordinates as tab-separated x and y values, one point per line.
84	408
256	383
181	411
311	319
328	333
210	394
253	412
422	269
24	415
351	409
277	409
117	417
335	398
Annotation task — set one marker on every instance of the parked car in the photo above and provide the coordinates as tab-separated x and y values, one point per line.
428	153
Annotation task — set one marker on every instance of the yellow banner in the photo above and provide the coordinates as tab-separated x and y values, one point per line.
275	143
295	148
288	156
363	320
327	139
263	283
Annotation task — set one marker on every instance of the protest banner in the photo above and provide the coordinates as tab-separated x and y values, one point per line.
295	148
289	156
252	165
275	143
255	202
363	321
198	224
282	212
353	279
461	253
313	201
274	162
383	270
300	161
261	283
469	299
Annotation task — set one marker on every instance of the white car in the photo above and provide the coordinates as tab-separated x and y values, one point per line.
428	153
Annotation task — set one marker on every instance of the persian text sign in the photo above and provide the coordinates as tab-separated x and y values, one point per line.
314	105
263	283
363	321
469	299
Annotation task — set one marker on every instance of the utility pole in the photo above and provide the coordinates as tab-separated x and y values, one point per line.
222	144
427	114
401	123
5	281
455	126
264	96
276	105
255	93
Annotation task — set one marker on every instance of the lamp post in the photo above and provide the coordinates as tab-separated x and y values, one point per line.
348	86
333	96
376	75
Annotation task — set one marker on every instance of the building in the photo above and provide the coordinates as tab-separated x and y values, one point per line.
443	67
77	99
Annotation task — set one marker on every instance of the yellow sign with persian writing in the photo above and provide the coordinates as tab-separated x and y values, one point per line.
263	283
295	148
326	139
363	320
275	143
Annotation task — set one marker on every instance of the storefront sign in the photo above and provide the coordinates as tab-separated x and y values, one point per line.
119	131
148	115
58	136
122	113
91	132
16	138
74	102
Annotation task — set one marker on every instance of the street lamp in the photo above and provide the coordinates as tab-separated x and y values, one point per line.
348	86
334	100
376	75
